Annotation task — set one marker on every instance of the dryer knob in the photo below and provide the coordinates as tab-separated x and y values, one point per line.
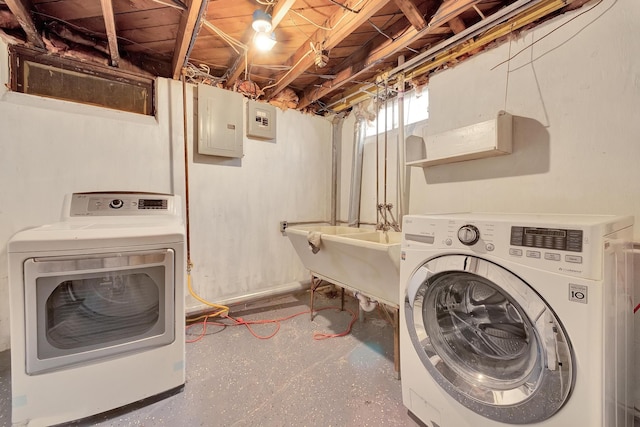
116	204
468	234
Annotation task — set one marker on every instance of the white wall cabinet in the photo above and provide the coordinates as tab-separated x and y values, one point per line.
486	139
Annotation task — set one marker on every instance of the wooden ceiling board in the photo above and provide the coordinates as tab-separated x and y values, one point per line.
147	18
149	34
161	48
232	27
69	10
236	9
157	20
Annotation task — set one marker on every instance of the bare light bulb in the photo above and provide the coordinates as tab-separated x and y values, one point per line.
265	41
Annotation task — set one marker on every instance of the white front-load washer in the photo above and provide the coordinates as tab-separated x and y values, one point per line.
97	307
517	319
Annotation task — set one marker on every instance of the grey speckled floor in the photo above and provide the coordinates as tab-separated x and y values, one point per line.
234	379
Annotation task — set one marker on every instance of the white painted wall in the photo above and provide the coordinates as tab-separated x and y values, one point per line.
574	94
237	248
49	148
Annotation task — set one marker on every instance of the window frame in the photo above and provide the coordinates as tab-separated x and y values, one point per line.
18	55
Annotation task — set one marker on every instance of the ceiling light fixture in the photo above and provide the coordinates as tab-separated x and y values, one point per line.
261	21
264	38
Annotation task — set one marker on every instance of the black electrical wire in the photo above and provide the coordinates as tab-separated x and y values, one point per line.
345	7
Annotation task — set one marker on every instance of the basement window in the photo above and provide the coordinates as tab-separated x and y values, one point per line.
42	74
416	109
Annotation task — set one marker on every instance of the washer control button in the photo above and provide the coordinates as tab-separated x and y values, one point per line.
489	247
448	242
515	252
573	258
551	256
533	254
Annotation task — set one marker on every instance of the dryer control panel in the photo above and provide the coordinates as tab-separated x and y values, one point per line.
119	204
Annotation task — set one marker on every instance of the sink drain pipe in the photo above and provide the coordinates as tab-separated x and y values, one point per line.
366	304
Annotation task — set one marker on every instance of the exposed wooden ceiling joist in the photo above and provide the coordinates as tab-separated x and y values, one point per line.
110	26
451	8
457	25
384	50
412	13
186	30
279	12
328	50
342	23
22	11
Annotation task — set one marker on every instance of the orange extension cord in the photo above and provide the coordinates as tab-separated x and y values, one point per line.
223	312
247	323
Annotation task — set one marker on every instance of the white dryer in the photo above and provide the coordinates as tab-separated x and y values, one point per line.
517	319
97	307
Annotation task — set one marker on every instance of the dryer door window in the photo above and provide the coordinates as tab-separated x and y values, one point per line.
489	339
81	309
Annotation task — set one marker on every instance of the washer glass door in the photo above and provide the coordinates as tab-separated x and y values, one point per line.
489	339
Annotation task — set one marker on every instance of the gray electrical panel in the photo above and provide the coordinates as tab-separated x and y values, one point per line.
261	120
219	122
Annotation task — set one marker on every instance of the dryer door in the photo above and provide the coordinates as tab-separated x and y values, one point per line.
489	339
84	308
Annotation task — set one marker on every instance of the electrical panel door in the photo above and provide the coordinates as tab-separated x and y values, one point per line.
219	122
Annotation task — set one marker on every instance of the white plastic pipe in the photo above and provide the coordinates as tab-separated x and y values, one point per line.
366	303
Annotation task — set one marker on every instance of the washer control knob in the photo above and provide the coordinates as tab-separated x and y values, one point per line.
116	203
468	234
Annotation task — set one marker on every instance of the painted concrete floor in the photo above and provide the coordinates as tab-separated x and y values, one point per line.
235	379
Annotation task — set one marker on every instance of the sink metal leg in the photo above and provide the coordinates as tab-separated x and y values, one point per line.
315	283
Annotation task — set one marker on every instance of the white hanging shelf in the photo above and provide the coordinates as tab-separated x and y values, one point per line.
477	141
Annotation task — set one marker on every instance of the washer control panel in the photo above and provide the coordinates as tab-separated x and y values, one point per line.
115	204
547	238
554	244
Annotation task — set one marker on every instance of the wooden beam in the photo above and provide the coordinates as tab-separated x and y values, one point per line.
110	25
451	8
22	11
412	13
186	32
342	24
457	25
279	12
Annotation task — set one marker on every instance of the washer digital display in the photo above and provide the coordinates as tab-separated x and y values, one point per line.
547	238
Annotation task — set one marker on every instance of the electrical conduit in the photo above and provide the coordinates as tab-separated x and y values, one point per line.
356	171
